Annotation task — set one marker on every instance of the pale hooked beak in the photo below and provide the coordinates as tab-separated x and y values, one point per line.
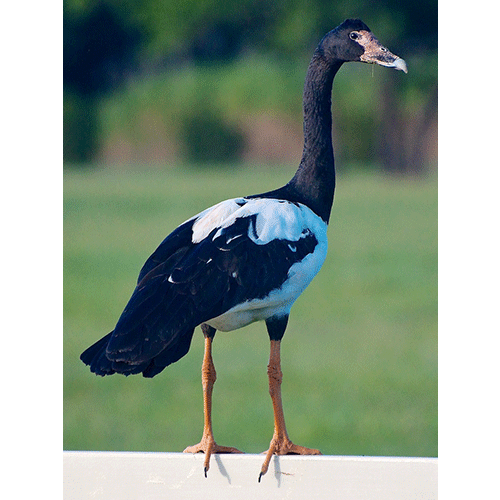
398	63
376	53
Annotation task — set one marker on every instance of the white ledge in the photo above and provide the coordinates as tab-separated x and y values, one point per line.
134	476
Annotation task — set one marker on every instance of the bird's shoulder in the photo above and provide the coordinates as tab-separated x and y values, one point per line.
268	219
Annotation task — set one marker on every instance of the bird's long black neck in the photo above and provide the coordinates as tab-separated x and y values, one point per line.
314	180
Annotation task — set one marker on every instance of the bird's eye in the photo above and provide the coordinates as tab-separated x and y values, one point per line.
353	35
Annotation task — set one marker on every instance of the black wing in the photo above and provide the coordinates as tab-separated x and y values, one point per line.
143	329
184	284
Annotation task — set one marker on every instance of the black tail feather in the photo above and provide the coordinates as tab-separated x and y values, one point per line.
100	364
95	357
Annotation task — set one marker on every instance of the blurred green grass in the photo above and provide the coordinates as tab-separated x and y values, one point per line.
359	356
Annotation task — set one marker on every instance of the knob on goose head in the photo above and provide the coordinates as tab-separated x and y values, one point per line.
354	41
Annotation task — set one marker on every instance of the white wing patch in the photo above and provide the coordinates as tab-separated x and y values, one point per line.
214	217
276	219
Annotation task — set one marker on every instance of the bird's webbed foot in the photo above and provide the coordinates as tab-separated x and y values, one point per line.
208	446
281	445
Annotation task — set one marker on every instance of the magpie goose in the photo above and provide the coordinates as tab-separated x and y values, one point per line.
243	260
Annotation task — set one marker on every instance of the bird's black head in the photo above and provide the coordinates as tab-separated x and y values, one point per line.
353	41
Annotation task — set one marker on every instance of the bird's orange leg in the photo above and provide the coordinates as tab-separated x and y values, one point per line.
280	443
208	377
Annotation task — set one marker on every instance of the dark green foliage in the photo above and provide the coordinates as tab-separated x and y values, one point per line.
107	43
208	139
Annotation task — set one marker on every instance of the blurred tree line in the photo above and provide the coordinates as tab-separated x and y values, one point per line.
219	80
